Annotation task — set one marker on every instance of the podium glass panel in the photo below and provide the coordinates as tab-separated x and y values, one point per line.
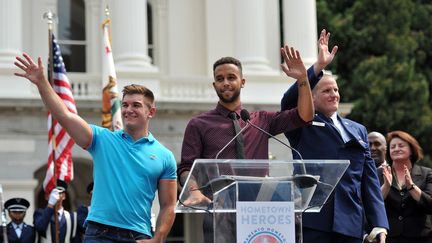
314	180
215	186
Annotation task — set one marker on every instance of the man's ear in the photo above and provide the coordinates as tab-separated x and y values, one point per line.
243	81
152	112
313	96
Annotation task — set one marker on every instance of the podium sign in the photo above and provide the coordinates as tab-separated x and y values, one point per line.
270	217
265	222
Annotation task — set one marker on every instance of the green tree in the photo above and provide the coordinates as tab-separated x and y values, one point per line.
384	63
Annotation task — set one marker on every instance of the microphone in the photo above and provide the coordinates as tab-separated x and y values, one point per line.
245	116
230	141
305	180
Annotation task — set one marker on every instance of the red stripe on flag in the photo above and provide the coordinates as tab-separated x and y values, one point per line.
66	97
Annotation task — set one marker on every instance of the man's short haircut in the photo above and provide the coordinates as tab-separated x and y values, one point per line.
138	89
228	60
326	74
378	135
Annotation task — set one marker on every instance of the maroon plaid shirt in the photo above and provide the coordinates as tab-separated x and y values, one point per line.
207	133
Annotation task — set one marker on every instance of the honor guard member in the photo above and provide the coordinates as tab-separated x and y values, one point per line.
17	230
44	218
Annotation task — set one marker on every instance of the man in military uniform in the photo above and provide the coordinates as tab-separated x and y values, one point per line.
17	230
44	218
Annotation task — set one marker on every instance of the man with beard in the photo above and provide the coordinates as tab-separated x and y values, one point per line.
207	133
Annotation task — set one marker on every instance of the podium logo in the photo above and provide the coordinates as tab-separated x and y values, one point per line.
265	235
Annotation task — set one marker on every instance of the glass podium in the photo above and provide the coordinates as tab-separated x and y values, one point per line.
218	186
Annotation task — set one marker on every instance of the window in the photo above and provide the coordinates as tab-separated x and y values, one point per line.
71	34
150	44
281	27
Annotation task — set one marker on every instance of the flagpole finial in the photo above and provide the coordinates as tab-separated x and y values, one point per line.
49	16
107	12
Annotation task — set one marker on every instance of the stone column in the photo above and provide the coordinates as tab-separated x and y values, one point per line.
300	28
94	46
250	35
129	32
11	29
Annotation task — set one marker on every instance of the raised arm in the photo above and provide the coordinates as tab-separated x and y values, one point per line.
325	57
77	128
294	67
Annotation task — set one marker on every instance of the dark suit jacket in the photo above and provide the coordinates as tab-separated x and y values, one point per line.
27	234
406	216
358	193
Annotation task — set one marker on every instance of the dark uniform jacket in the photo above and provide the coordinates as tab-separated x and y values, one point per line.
358	193
27	235
43	218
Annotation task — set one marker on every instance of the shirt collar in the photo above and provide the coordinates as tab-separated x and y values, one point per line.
149	138
322	116
60	211
334	117
17	225
225	112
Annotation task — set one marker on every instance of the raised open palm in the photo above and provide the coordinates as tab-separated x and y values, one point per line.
32	71
387	173
324	56
293	66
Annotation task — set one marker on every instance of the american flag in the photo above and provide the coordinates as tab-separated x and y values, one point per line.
63	142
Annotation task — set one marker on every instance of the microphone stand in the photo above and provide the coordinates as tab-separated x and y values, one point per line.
230	141
245	116
303	167
275	138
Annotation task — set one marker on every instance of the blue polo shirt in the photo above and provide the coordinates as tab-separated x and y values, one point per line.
126	174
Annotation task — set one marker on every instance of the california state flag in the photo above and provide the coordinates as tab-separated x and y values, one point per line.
111	117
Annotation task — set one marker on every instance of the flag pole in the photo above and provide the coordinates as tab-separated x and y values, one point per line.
106	101
49	16
107	21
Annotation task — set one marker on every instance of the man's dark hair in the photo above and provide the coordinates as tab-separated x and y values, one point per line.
138	89
228	60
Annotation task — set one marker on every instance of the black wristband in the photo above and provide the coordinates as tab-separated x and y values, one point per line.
412	187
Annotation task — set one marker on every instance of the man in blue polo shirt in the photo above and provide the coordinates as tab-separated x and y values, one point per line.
129	165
